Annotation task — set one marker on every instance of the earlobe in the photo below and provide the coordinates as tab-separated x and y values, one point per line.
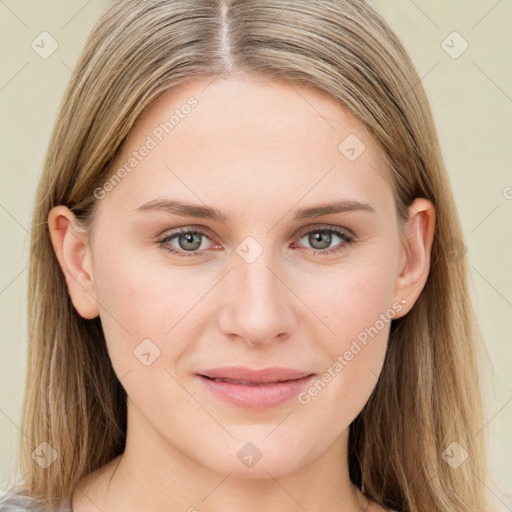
72	250
419	234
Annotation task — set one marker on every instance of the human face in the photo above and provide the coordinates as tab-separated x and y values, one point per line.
248	289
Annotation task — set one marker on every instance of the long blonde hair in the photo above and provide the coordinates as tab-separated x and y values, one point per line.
428	394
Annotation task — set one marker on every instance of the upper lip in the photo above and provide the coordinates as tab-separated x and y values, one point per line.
240	373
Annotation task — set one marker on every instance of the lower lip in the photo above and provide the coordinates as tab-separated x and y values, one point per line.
260	396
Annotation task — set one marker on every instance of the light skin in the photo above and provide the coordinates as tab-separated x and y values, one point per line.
258	151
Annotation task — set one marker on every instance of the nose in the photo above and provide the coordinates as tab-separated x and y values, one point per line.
260	306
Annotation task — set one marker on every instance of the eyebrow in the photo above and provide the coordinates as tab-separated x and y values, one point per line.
185	209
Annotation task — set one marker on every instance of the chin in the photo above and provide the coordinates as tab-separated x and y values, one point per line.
259	460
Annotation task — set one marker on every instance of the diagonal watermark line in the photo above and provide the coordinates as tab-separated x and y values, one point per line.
484	218
165	165
421	79
1	410
491	285
14	76
125	374
200	299
379	173
424	14
13	279
13	217
301	300
491	491
282	421
416	476
3	3
486	14
76	14
209	83
448	430
278	14
199	403
320	115
87	89
285	490
217	486
288	211
89	498
492	81
494	416
429	477
14	489
371	371
433	265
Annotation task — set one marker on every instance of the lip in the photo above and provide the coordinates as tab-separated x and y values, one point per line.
255	389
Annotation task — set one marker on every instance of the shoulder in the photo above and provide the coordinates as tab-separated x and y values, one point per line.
14	500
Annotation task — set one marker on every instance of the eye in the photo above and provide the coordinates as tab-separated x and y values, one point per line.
189	242
321	239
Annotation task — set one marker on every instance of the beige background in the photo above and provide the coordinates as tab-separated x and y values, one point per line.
471	97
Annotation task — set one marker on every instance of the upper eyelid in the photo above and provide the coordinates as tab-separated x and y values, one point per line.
327	227
301	232
173	232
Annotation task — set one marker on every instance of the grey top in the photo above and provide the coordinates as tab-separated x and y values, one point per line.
15	501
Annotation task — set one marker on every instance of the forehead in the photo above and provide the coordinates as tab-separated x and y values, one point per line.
251	112
246	139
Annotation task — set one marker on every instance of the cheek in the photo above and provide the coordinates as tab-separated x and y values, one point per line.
357	306
140	301
352	298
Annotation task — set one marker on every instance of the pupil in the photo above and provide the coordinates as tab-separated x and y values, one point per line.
190	241
323	237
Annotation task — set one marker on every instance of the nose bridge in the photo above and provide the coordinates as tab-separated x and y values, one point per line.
260	307
258	285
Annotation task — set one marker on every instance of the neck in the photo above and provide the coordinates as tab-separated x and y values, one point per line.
156	476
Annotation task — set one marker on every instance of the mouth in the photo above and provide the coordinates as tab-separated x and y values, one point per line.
248	383
255	389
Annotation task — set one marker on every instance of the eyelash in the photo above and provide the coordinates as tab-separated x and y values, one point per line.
348	239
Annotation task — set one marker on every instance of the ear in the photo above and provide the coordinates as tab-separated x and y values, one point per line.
70	243
415	256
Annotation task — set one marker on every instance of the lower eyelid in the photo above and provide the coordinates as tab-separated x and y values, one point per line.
343	235
164	242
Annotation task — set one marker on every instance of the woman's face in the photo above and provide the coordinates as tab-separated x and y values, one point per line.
270	271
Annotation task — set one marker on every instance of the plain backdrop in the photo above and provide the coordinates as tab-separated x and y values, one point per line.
463	53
